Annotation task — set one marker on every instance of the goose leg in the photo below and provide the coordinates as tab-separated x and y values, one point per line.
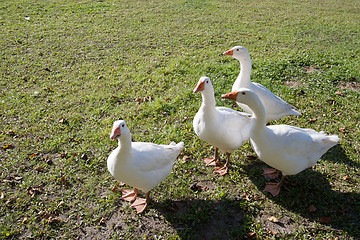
222	170
271	173
213	161
129	195
274	188
140	204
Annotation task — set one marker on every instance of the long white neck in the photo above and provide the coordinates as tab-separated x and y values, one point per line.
124	143
208	101
243	80
259	114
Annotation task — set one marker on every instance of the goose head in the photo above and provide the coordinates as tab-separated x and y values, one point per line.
119	130
242	95
204	84
239	53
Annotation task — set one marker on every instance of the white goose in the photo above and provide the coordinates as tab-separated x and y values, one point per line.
222	127
286	148
139	164
275	107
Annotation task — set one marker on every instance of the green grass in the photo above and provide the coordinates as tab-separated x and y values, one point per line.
70	68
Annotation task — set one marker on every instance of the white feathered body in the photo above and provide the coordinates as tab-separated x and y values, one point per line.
222	127
275	107
291	149
143	165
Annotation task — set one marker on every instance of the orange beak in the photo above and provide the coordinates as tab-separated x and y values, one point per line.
199	87
229	53
230	96
115	133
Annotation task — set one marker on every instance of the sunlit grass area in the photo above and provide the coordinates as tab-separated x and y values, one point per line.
70	68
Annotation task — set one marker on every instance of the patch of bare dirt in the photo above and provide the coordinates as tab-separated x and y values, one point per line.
310	69
293	84
284	225
355	86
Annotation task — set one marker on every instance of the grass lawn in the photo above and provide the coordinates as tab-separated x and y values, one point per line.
68	69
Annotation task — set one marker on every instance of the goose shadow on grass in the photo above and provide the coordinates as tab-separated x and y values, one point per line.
310	195
205	219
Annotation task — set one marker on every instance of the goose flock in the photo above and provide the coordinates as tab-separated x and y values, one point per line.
287	149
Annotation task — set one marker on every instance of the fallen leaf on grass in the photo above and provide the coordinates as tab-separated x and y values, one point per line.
251	235
331	101
25	220
325	220
102	220
2	195
246	197
64	182
12	179
32	155
271	231
40	169
53	219
8	146
273	219
312	120
195	187
312	208
339	93
347	177
185	158
10	201
33	191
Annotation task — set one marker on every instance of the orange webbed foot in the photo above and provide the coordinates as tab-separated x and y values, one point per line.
273	188
271	173
221	170
140	205
129	195
211	162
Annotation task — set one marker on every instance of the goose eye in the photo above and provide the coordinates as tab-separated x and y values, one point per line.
207	81
122	125
237	49
243	93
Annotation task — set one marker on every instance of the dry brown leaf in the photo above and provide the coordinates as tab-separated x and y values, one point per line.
312	208
102	220
339	93
8	146
246	197
250	235
40	169
312	120
325	220
33	191
346	177
185	158
12	179
115	188
25	220
33	155
53	219
273	219
10	201
63	181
